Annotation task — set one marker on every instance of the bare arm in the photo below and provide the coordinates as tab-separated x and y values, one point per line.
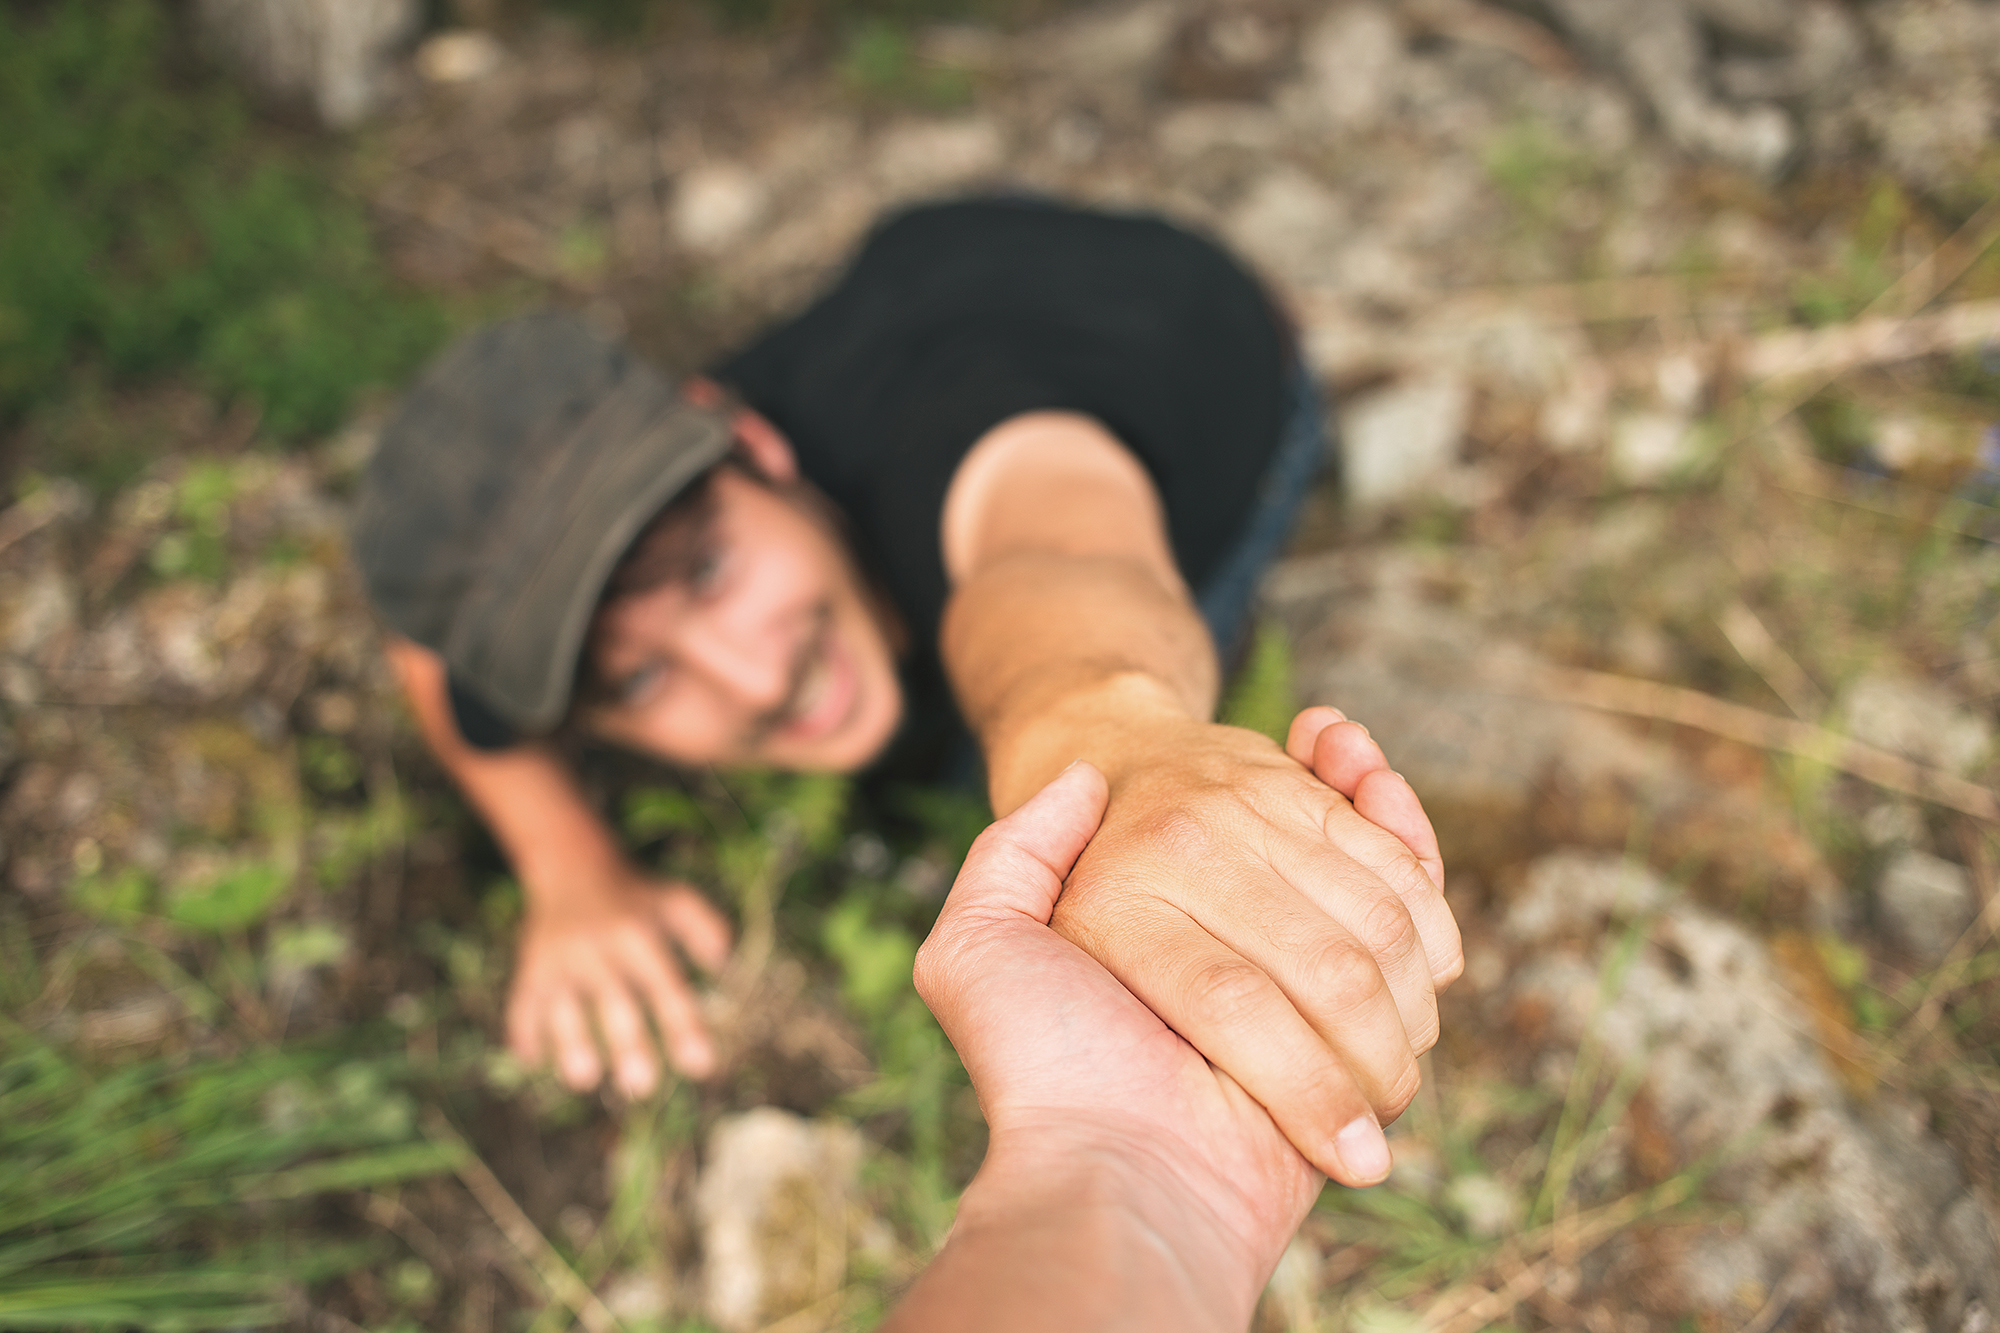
1274	923
595	942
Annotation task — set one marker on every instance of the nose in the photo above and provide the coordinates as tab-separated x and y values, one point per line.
749	670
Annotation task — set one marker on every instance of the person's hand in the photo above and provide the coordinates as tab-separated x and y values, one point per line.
1282	911
598	960
1093	1104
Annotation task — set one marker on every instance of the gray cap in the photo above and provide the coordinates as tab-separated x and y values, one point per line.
511	479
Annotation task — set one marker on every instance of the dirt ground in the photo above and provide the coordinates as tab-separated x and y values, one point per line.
1660	554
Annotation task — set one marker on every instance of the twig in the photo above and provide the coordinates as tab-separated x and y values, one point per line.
521	1232
1768	658
1918	287
1691	708
1472	1306
1950	970
1839	348
1488	25
1808	476
810	1317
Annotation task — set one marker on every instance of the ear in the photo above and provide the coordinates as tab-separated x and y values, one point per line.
768	450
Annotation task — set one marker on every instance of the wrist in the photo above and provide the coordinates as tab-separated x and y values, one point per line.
1123	1205
564	879
1112	720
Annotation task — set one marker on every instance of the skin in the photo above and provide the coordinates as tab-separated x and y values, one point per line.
1128	1183
1292	929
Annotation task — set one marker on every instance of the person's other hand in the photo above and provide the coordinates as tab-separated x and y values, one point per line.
1070	1066
600	961
1283	912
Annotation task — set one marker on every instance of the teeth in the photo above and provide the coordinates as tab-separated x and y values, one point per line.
817	679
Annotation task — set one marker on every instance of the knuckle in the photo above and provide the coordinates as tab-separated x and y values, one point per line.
1342	977
1230	989
1401	1091
1177	834
1386	928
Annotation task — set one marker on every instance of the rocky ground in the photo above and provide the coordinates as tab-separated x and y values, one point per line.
1665	343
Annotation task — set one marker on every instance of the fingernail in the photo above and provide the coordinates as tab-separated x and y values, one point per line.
635	1076
697	1058
1363	1150
1338	716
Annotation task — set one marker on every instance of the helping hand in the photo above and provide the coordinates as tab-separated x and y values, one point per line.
1068	1063
603	956
1282	910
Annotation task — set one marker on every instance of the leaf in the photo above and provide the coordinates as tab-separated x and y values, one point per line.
232	901
116	896
875	961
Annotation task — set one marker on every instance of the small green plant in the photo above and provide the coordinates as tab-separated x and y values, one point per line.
881	62
1262	696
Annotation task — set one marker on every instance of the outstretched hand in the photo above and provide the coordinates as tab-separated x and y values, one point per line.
599	961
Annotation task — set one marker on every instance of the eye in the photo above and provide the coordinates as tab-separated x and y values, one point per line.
636	687
704	570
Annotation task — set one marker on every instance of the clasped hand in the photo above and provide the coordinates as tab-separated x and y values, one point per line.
1282	910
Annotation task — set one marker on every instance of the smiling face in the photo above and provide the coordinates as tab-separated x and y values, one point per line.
760	646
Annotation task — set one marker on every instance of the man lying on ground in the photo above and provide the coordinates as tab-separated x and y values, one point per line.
994	500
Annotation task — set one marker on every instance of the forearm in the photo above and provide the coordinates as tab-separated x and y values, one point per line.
526	795
1087	1239
1056	657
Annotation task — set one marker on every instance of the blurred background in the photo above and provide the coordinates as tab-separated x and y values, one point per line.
1664	341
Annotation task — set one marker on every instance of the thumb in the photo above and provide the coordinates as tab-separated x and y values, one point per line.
1019	863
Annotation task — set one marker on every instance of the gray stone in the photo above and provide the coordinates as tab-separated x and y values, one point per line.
1648	448
1925	902
716	205
918	157
1731	1062
333	55
1912	717
1658	45
1398	441
774	1197
1351	59
459	56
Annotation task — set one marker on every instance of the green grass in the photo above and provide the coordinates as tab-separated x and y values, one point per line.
157	1195
148	228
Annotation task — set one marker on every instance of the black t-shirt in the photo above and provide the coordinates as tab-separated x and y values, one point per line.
955	317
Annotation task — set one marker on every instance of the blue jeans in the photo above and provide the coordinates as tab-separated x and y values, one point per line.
1227	596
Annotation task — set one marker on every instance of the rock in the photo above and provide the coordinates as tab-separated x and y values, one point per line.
1648	448
35	611
1288	221
716	205
1396	442
1489	1208
459	56
331	54
1351	59
919	157
1659	46
1733	1066
1925	902
1915	718
774	1197
1572	892
1125	44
